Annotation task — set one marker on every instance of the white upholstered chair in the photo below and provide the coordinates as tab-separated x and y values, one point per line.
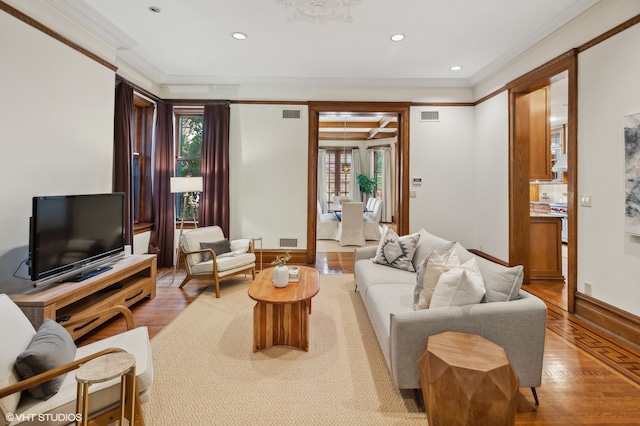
327	225
372	221
208	254
52	359
351	227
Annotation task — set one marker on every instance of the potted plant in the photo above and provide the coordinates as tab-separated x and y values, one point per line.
281	272
367	184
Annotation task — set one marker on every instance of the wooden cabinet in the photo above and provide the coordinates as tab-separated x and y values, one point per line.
130	280
545	248
539	135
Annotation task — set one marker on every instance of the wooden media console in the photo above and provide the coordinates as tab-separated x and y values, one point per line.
130	280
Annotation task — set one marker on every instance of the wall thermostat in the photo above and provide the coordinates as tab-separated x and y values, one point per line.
416	180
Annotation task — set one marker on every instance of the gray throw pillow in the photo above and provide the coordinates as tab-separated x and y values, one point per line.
502	283
427	244
218	247
395	251
51	347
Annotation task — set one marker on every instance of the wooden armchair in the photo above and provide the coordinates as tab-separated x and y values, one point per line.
208	254
18	333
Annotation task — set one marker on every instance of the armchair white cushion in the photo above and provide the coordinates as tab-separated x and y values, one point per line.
240	260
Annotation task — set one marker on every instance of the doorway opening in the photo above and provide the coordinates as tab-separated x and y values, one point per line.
542	206
348	141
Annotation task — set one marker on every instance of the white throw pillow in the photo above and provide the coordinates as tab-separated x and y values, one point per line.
462	285
428	274
395	251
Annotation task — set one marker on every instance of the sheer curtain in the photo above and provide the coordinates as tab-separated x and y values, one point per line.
322	180
122	155
161	241
214	200
356	169
387	183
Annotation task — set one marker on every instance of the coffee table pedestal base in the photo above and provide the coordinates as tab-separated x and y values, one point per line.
281	324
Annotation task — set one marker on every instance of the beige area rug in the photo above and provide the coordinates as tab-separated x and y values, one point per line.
205	372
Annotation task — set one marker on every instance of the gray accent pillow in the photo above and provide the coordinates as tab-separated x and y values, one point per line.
502	283
51	347
218	247
395	251
427	244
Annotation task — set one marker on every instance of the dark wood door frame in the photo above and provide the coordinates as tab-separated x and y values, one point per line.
519	166
401	212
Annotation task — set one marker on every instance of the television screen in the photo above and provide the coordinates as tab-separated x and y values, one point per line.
74	232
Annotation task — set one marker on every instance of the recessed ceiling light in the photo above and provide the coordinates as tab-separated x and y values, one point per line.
455	68
239	36
154	9
397	37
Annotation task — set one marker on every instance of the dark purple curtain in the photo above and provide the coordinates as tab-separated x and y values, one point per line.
162	234
214	203
122	157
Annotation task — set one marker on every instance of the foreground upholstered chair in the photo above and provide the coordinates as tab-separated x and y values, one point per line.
208	254
351	227
17	334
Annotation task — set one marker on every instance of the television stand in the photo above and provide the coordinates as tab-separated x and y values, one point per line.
88	274
129	280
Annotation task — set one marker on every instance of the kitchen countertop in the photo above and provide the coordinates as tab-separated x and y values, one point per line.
543	215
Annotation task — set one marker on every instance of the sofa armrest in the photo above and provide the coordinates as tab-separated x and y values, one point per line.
365	252
518	326
48	375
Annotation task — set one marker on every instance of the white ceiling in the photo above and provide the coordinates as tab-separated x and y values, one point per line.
189	41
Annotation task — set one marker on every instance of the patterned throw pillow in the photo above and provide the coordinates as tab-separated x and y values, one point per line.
395	251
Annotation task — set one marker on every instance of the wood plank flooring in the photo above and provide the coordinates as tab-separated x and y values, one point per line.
589	377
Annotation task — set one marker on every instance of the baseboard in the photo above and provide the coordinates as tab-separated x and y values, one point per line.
614	320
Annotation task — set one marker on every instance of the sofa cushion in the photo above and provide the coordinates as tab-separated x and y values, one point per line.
225	263
218	247
427	244
395	251
428	274
460	285
381	301
51	347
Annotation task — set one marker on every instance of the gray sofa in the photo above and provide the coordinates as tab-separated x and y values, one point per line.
517	325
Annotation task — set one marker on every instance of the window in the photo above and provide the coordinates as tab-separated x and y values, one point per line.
142	130
188	156
338	172
377	173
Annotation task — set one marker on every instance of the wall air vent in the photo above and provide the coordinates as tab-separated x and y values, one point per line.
291	113
288	242
429	115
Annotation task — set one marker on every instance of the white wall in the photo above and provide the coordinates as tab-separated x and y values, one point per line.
491	179
268	173
608	90
56	116
442	154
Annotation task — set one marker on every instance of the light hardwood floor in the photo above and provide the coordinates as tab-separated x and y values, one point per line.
589	378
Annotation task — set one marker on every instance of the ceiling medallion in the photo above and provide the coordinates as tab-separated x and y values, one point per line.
319	11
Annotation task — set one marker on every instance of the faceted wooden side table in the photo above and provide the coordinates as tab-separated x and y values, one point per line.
102	369
467	380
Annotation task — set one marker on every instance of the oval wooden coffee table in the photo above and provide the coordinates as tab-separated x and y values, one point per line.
281	315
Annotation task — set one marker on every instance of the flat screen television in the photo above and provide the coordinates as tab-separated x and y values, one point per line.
71	236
